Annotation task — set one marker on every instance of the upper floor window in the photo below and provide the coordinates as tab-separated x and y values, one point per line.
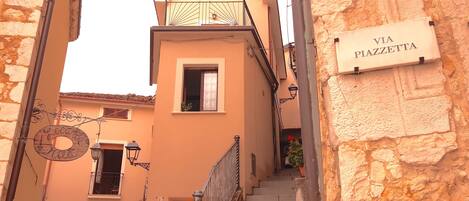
200	90
116	113
199	85
107	177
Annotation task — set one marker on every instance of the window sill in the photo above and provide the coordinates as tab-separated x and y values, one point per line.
199	113
110	197
116	119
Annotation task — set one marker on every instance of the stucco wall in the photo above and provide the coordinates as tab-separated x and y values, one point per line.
186	145
258	136
400	133
290	109
70	180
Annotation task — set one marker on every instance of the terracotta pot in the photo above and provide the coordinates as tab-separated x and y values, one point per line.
301	169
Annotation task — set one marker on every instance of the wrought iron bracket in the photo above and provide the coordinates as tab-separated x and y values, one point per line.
145	166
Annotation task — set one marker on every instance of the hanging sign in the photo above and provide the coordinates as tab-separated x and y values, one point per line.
44	138
403	43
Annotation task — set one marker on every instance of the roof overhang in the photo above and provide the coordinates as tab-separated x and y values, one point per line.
184	33
160	8
75	19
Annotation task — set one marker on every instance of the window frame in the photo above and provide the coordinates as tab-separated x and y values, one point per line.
199	63
129	115
93	171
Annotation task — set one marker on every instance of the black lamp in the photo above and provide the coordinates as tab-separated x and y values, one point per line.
133	150
96	151
293	89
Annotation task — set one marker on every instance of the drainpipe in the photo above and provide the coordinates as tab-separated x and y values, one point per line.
308	97
22	139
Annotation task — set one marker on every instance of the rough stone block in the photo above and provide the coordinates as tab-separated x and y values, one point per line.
25	51
7	129
353	173
25	3
5	148
13	14
16	73
388	103
426	149
434	118
3	169
9	111
383	155
16	94
365	107
35	16
18	29
376	190
377	172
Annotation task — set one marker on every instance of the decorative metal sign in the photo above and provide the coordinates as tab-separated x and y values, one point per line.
44	138
404	43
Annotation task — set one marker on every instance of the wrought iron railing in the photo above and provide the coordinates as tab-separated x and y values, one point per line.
105	183
199	13
223	182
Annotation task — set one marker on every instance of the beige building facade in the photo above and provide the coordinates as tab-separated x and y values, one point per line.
112	176
400	132
219	75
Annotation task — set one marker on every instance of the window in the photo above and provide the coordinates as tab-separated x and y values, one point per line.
199	86
116	113
200	90
107	177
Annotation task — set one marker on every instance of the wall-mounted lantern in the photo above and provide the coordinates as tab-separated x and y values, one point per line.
293	89
96	151
133	151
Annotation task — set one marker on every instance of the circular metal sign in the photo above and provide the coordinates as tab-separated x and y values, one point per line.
44	146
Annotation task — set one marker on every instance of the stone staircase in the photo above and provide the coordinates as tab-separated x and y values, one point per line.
279	187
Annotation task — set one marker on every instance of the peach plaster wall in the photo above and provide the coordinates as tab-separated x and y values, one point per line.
399	133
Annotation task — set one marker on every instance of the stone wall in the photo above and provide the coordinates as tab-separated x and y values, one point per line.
19	20
400	133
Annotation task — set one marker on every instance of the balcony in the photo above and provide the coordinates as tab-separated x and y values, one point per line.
202	20
203	13
105	184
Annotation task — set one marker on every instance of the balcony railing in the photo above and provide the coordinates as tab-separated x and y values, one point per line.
223	181
105	183
200	13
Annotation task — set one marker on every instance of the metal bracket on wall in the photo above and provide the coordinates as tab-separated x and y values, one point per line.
421	60
356	70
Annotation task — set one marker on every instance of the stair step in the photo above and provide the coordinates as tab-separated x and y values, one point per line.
289	172
278	183
280	178
270	198
280	190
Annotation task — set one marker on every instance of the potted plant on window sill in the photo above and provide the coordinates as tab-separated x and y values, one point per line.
295	154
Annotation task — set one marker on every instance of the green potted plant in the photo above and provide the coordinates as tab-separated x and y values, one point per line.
186	106
295	154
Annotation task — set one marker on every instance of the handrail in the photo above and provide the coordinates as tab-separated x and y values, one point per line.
224	177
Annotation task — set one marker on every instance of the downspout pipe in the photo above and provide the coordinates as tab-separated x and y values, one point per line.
308	98
22	139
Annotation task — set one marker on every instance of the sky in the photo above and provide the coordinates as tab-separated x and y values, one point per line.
111	54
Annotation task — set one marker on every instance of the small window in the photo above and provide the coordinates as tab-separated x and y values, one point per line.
107	178
116	113
200	90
